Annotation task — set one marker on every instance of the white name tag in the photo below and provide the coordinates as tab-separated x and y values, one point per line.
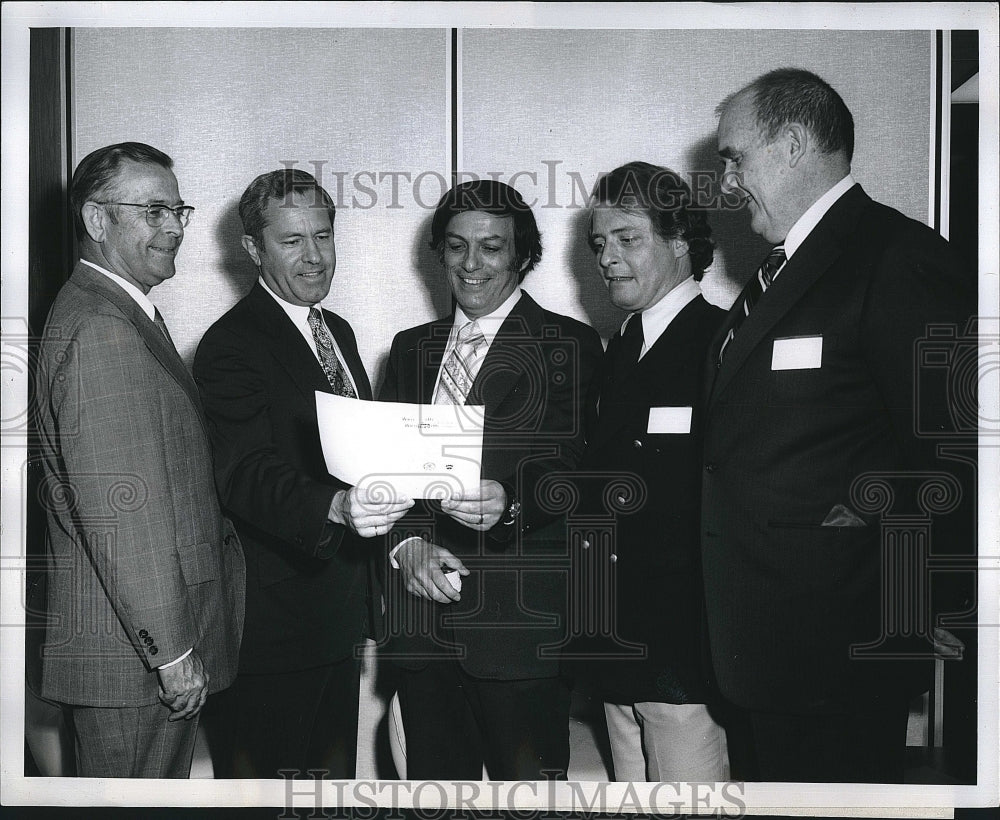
802	353
669	420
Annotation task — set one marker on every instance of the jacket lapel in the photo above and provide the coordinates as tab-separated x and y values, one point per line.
157	344
289	347
496	379
822	247
636	395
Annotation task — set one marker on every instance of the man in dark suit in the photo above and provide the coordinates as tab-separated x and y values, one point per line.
145	581
310	590
652	248
811	423
470	616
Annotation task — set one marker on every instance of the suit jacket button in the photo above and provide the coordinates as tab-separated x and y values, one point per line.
143	633
637	444
613	558
153	650
586	544
710	467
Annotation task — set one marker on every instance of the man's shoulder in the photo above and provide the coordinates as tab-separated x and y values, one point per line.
570	327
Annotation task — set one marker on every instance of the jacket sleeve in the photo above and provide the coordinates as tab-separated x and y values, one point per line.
115	434
254	480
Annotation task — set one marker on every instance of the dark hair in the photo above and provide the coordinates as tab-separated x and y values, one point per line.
666	199
794	95
492	197
97	173
281	185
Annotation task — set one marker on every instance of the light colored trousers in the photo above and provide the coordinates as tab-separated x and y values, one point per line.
666	742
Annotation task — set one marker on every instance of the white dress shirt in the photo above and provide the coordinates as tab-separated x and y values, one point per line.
137	295
657	318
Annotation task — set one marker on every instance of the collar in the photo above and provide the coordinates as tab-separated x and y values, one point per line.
490	323
299	314
137	295
657	318
810	219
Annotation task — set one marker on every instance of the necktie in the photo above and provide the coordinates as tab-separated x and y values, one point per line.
461	366
626	355
631	344
328	356
755	289
158	321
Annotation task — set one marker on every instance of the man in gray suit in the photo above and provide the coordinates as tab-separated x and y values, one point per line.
145	577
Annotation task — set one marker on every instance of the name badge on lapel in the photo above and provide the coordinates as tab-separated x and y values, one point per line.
799	353
669	420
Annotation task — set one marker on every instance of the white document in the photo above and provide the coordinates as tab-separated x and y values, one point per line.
801	353
395	449
669	420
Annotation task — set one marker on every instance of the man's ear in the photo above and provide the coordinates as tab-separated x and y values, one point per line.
94	217
798	142
251	248
680	247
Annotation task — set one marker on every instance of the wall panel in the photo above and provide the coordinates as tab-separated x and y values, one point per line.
557	102
229	104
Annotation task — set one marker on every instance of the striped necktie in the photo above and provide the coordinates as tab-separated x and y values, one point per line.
328	356
754	290
461	366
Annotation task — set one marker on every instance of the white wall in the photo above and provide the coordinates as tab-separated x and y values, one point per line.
373	104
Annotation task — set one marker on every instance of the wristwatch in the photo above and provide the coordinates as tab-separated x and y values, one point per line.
511	513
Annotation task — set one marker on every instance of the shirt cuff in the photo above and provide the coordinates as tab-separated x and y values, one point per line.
176	660
392	554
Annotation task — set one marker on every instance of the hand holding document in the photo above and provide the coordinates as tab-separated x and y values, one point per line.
395	449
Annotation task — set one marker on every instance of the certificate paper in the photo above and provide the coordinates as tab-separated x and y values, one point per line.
395	449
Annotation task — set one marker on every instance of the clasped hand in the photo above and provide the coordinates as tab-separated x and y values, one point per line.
478	508
364	514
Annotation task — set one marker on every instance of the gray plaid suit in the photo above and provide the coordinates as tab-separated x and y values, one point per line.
142	565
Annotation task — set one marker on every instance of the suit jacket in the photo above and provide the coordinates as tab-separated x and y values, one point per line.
532	383
308	580
786	597
653	562
141	564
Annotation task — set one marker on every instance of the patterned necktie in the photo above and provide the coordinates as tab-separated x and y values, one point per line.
755	289
328	356
461	367
158	321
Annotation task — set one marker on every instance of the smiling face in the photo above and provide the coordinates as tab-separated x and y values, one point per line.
480	261
296	256
131	248
638	266
756	171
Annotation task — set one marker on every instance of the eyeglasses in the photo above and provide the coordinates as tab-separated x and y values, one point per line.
156	214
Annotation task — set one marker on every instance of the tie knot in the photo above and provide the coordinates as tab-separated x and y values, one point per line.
470	334
314	315
775	259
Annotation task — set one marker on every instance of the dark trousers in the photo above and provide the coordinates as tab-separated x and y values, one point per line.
297	721
454	723
132	742
864	746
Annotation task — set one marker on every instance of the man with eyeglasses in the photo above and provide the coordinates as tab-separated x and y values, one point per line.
145	576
